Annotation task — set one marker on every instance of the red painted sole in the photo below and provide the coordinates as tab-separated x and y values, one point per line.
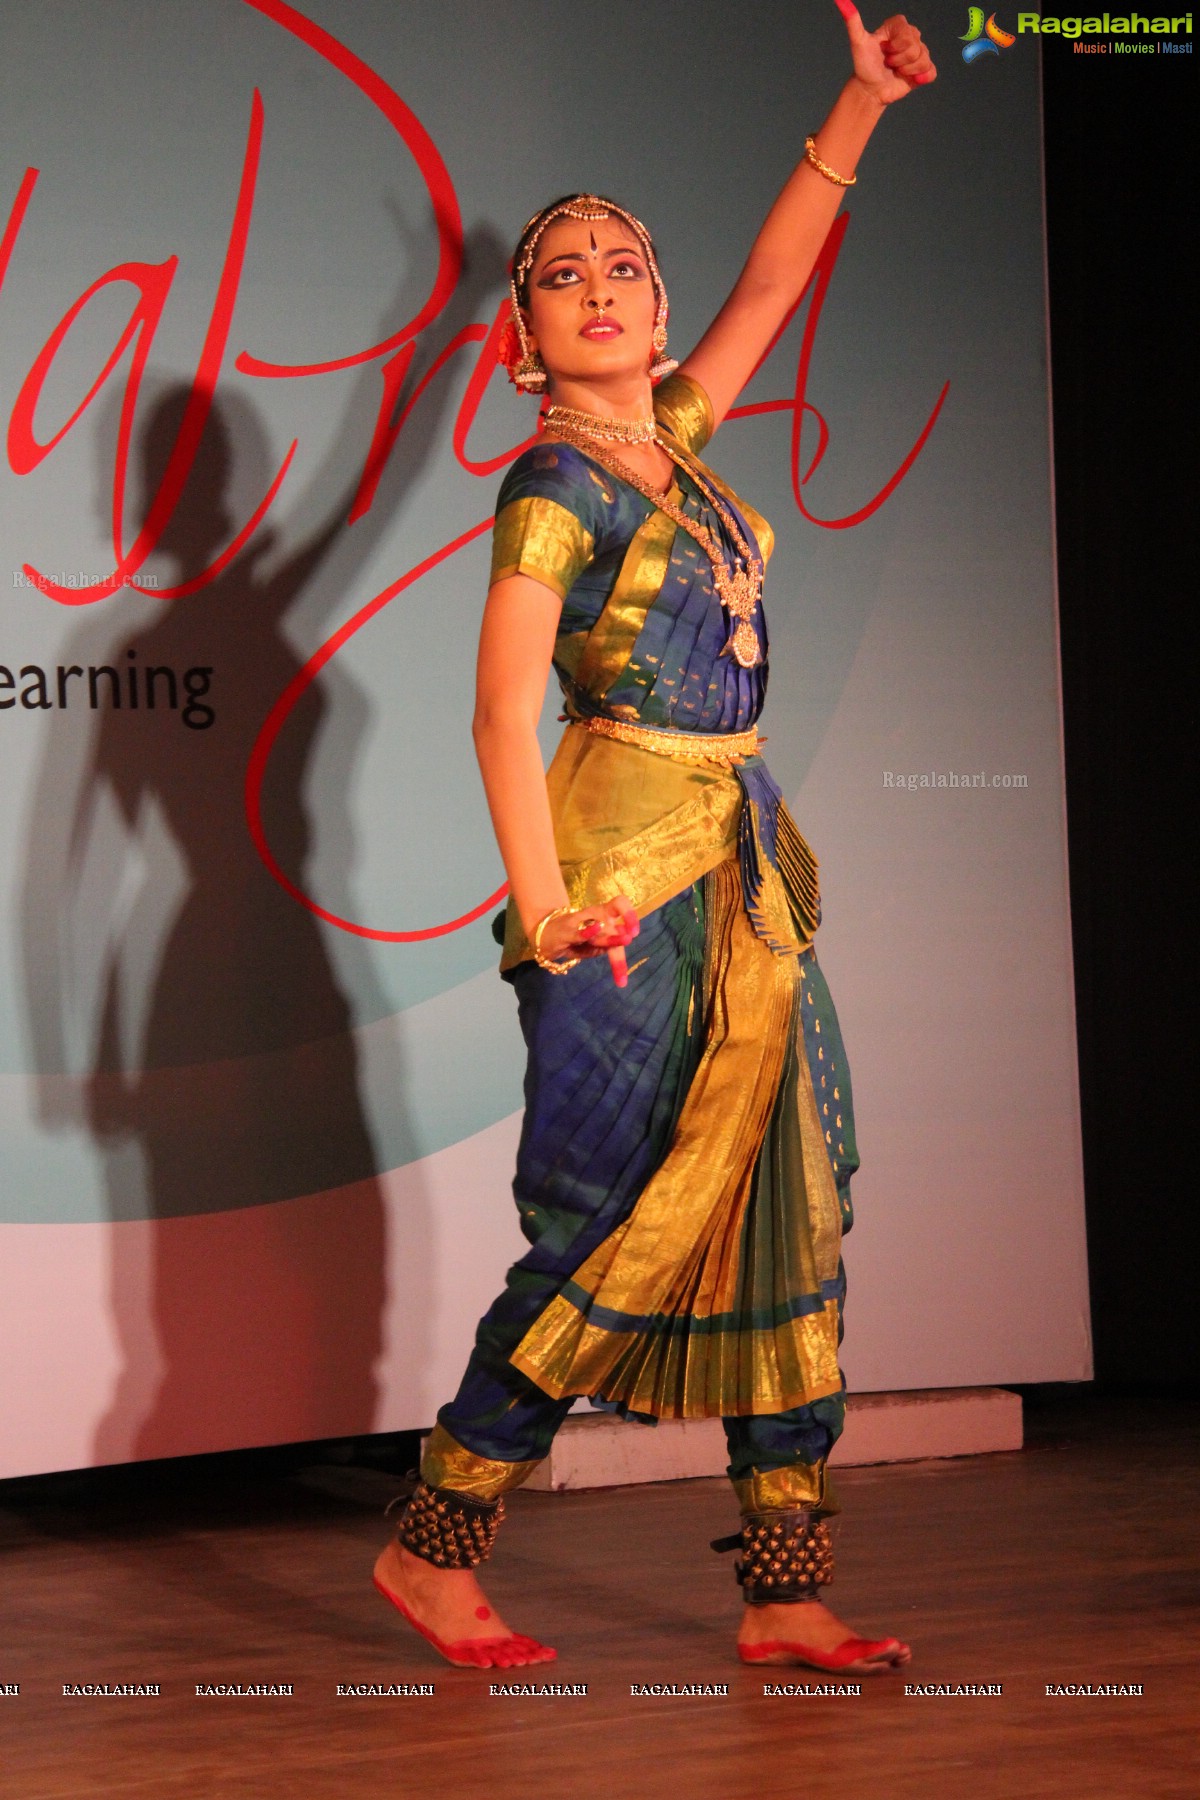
856	1656
476	1653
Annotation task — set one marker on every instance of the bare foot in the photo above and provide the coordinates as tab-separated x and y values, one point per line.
449	1607
809	1633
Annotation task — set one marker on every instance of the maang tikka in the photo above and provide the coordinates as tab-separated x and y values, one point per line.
528	373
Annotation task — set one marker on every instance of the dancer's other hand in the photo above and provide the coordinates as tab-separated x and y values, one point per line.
602	930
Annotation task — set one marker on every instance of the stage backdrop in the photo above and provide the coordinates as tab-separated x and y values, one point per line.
261	1083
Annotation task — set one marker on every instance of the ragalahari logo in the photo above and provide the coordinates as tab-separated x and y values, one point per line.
984	38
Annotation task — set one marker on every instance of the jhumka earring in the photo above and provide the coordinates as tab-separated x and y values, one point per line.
529	372
660	364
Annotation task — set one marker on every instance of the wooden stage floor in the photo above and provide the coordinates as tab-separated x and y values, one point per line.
1071	1562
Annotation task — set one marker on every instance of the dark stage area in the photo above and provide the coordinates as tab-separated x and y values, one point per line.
1120	203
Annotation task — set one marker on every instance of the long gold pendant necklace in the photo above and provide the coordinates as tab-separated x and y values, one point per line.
740	588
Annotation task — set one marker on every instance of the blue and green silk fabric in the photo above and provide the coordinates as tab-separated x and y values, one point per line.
683	1172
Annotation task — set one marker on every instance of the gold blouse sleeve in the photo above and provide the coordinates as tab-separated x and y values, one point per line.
538	537
683	407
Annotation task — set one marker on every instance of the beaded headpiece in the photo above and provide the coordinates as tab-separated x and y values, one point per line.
524	365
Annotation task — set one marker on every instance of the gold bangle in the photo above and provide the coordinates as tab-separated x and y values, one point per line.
810	155
535	937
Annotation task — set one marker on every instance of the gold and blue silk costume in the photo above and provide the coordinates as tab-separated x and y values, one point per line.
683	1176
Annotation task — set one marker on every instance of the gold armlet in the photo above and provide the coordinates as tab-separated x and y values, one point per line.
810	155
535	937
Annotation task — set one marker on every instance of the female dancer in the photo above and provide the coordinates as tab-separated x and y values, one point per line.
683	1173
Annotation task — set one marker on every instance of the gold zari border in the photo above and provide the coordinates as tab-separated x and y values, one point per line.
540	538
625	823
685	1251
683	408
612	638
447	1464
778	1490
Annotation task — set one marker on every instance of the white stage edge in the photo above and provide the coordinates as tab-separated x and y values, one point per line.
594	1450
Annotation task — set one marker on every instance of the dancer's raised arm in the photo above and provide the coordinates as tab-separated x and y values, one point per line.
888	64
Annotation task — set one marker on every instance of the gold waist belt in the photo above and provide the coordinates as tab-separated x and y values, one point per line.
724	747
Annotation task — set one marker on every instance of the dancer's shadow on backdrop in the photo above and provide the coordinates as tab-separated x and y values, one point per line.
223	1096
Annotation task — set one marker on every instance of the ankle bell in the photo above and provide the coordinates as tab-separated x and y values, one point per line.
448	1529
787	1557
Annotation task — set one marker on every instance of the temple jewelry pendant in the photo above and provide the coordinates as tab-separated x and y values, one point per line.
739	594
745	645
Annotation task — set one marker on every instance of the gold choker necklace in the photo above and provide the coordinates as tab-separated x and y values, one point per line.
600	426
